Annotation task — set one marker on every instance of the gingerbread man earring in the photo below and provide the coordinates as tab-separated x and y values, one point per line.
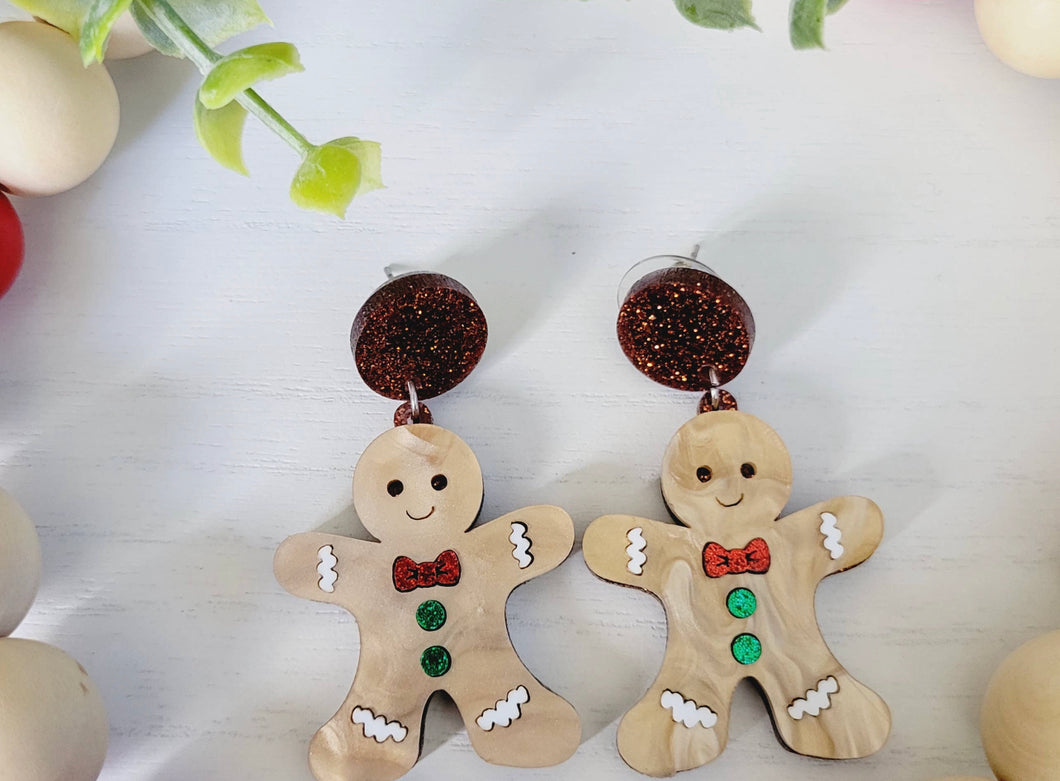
429	597
737	581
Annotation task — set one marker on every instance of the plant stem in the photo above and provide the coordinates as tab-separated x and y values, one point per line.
257	105
204	58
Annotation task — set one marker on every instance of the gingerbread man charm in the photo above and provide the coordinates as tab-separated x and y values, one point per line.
738	583
429	599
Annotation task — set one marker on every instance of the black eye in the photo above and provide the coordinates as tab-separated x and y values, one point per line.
439	482
748	470
394	487
704	474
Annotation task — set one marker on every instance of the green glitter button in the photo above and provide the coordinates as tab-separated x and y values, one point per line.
436	661
431	615
741	603
746	649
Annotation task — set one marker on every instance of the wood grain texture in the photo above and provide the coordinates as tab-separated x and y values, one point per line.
177	394
429	599
738	586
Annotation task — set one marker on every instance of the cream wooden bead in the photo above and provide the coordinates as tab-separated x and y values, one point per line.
53	726
126	41
60	118
19	564
1021	713
1024	34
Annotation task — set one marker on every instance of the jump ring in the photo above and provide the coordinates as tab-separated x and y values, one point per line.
414	401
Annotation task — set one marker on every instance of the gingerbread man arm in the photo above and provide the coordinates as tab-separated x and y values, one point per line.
529	542
324	567
636	551
841	532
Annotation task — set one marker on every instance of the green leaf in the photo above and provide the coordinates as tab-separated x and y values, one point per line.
718	14
220	131
215	21
64	14
807	23
835	5
154	36
95	28
333	173
370	155
243	69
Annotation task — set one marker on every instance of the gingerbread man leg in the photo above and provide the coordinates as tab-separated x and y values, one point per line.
376	734
511	718
683	720
820	710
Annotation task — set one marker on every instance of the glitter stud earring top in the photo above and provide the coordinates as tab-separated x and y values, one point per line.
737	581
417	337
430	596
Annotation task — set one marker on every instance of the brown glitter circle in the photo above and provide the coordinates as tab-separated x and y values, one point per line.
403	415
676	323
422	327
725	401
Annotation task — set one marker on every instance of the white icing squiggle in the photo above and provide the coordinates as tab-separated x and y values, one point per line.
326	568
687	712
506	710
635	551
522	545
816	700
377	727
832	535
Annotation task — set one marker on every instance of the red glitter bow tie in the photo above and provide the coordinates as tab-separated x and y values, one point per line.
753	558
443	571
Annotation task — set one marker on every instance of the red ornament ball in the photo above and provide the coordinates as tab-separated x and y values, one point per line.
11	244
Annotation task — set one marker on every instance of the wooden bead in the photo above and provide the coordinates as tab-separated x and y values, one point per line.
12	245
20	564
126	41
53	726
1021	713
60	118
1023	34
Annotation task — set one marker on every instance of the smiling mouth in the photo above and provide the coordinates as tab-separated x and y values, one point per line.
719	501
428	515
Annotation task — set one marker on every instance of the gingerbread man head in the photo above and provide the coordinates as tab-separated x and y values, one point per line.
417	480
726	467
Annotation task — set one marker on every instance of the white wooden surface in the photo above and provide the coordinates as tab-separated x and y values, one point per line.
178	395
